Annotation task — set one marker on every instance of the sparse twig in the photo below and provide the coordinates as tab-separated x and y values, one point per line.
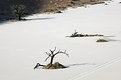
52	54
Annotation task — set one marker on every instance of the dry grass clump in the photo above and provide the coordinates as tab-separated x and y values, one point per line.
101	40
84	35
56	65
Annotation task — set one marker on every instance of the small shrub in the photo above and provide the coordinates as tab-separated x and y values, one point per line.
106	4
61	8
101	40
49	10
56	65
76	34
72	2
57	11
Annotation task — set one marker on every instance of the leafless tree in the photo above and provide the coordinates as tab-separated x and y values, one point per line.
19	11
53	53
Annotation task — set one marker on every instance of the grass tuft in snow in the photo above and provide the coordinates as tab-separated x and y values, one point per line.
56	65
101	40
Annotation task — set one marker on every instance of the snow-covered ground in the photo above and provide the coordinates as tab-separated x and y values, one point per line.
22	44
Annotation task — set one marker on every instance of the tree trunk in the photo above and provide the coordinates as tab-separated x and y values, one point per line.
19	17
51	62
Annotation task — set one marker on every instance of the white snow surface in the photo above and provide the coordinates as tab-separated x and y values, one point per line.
24	43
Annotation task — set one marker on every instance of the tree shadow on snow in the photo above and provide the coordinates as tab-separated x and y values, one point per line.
108	38
39	19
5	21
83	64
2	22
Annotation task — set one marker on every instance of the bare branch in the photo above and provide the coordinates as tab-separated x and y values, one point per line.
51	51
52	54
48	53
54	49
62	53
47	58
66	53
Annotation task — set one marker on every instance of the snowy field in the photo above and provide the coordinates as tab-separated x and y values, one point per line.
23	44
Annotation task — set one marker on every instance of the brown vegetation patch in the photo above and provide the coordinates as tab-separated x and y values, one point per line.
101	40
56	65
63	4
76	34
85	35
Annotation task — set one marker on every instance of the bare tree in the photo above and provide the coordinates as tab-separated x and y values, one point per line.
52	54
19	11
